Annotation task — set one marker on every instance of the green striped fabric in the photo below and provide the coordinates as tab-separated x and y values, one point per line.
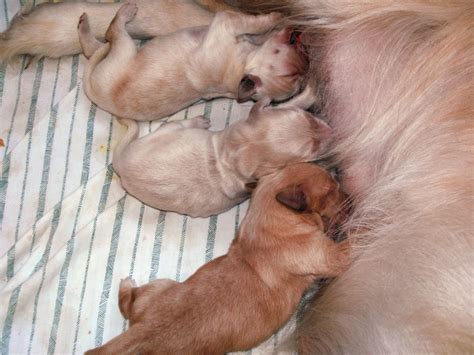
68	231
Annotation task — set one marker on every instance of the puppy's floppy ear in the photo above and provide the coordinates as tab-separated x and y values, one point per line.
248	87
294	198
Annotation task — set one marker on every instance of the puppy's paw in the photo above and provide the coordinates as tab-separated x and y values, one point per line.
128	11
83	24
199	122
341	257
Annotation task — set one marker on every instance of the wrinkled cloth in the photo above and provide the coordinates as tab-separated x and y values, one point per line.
69	232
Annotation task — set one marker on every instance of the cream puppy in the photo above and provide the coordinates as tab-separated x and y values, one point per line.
238	300
185	168
50	29
237	56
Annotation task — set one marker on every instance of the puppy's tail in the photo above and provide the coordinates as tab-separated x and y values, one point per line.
131	135
96	58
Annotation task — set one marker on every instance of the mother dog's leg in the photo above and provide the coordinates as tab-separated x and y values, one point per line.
50	29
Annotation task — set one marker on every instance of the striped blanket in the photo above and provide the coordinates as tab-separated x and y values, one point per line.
69	232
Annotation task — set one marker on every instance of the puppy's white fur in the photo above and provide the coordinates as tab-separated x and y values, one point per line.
50	29
171	72
185	168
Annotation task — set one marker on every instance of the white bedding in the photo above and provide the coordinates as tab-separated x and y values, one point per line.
69	232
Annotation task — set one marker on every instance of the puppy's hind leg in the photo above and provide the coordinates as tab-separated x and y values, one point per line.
122	47
126	296
136	299
89	43
108	62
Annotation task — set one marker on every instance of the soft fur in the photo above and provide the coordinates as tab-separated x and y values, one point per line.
50	29
235	56
395	81
238	300
219	164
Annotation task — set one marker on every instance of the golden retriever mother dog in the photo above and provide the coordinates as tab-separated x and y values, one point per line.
395	80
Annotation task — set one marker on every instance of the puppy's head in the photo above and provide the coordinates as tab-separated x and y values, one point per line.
281	136
275	69
301	191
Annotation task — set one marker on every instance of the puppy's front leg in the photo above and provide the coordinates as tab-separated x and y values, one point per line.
195	122
328	258
319	257
246	24
303	100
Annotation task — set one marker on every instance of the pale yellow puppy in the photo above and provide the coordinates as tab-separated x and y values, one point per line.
50	29
185	168
237	56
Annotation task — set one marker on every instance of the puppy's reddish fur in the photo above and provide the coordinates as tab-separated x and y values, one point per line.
238	300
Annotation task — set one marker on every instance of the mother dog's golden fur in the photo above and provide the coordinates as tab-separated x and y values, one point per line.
395	79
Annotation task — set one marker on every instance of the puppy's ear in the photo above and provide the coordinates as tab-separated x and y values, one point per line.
294	198
248	87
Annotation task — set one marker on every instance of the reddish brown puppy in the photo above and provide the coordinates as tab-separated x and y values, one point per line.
281	248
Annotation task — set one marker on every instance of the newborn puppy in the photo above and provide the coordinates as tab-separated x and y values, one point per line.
238	300
185	168
50	29
237	56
